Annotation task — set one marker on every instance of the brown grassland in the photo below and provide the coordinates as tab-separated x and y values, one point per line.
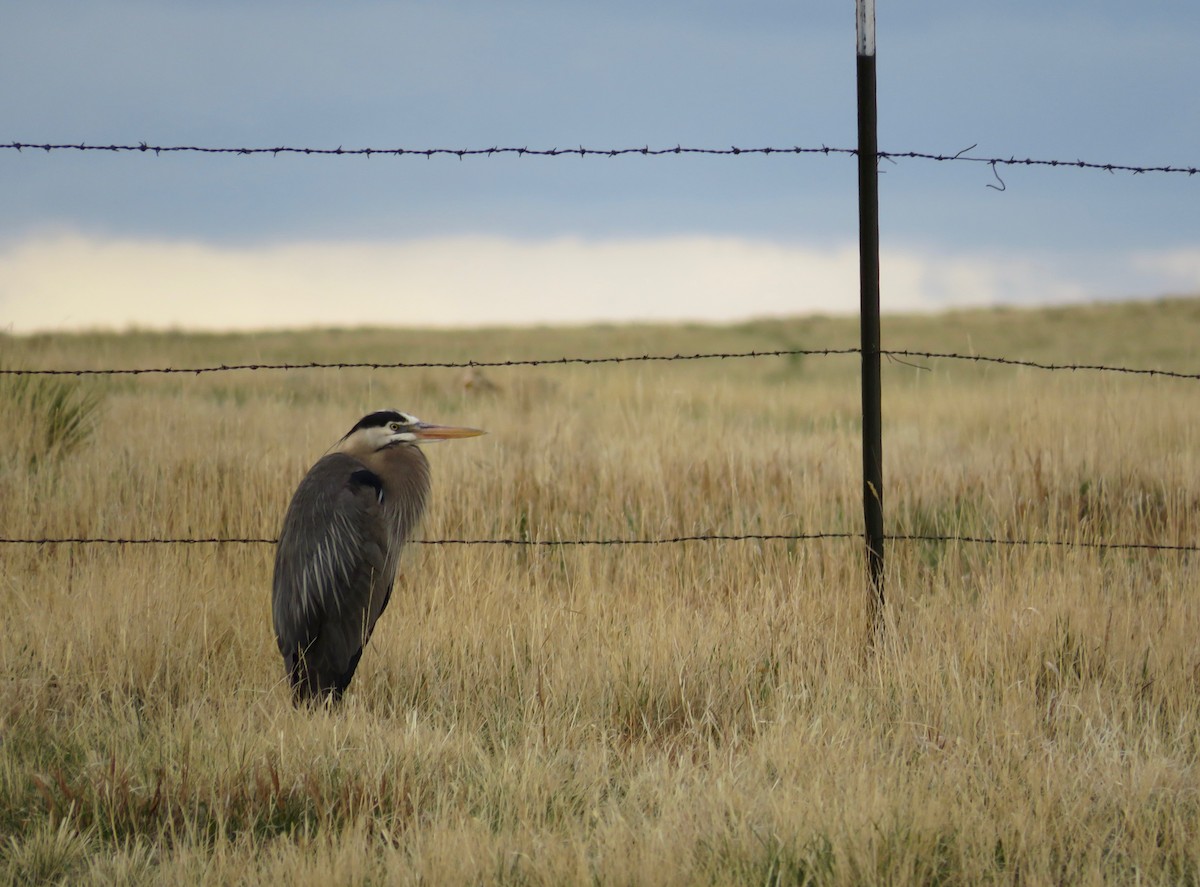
698	713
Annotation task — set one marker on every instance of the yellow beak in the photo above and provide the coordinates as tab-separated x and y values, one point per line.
427	432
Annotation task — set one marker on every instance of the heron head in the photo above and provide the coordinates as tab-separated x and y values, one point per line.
389	428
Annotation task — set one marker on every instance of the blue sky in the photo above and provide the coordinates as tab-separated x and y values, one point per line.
93	239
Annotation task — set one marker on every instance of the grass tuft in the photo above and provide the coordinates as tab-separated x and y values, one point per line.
47	418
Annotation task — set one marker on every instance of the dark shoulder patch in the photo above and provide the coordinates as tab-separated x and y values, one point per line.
365	477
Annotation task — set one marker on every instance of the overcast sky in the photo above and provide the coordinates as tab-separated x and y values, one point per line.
91	239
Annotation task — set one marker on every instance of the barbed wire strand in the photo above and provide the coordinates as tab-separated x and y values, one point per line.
259	540
581	151
1042	365
672	540
561	361
424	364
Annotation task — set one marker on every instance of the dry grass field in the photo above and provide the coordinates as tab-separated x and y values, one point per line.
701	713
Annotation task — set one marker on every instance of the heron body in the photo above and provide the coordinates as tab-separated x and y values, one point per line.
340	546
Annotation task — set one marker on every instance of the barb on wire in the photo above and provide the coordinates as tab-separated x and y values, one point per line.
670	540
581	151
896	354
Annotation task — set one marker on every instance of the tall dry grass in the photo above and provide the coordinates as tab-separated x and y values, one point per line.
698	713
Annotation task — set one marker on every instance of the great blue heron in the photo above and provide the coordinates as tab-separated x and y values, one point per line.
340	545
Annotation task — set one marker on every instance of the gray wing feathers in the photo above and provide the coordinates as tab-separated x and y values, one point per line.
331	566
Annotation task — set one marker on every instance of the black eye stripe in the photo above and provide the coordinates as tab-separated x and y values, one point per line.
384	419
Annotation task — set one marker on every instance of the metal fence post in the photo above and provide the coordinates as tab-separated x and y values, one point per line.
868	257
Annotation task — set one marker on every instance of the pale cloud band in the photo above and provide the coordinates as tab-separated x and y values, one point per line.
70	282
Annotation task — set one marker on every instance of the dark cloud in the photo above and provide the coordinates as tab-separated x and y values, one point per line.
1102	81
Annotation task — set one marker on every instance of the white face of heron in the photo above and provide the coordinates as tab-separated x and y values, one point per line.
399	428
403	430
383	428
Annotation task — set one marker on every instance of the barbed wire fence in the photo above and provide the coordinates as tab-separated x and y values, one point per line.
562	361
670	540
900	355
580	151
897	354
